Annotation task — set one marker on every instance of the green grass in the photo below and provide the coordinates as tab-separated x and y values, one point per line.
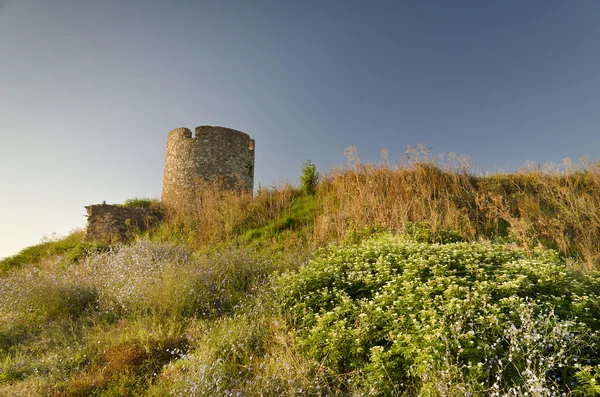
292	223
137	202
71	248
36	253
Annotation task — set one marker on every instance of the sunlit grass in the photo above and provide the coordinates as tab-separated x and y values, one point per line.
45	249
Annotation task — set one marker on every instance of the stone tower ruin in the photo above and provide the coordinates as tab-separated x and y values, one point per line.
213	153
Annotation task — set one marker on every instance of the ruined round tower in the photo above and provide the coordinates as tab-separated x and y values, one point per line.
212	153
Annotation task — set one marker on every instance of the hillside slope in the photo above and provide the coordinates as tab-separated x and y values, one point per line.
416	279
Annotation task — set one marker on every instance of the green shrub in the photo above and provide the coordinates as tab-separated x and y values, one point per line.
12	372
400	316
588	379
136	202
12	333
309	178
225	347
82	250
422	234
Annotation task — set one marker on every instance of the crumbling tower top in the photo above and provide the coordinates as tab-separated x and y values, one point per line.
213	152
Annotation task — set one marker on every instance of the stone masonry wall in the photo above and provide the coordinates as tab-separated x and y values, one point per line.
110	223
182	164
214	152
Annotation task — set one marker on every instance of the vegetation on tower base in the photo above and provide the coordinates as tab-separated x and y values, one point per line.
223	298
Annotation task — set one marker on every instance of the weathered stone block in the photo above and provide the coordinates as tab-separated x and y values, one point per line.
111	223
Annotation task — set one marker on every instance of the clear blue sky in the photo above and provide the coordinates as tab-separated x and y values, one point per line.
90	89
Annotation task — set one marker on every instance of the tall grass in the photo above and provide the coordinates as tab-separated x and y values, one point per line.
219	214
556	207
362	195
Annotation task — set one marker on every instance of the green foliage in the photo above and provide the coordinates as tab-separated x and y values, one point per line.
239	355
353	236
72	249
309	178
83	250
401	315
422	234
588	381
137	202
11	371
63	300
85	328
222	349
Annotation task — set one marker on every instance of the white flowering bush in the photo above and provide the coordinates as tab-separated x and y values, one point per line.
139	277
397	316
160	278
36	295
111	321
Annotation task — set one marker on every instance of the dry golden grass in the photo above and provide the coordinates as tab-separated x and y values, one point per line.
219	214
363	195
558	208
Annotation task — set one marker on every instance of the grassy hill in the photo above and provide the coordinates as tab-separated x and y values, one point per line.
386	280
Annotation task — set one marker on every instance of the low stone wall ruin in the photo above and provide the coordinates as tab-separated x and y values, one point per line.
111	223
